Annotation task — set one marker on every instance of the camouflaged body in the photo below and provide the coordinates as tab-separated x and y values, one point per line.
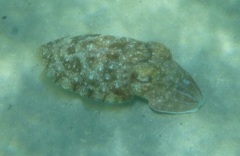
114	69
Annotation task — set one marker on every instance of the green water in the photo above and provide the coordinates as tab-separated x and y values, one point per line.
37	118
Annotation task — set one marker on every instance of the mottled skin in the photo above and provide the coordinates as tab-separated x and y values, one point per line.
115	69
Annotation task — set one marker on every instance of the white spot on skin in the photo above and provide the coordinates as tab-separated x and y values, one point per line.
107	76
91	76
111	66
100	67
117	85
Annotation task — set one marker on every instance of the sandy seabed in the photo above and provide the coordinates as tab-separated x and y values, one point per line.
38	118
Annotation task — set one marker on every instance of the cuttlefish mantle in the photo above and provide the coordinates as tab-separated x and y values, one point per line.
114	69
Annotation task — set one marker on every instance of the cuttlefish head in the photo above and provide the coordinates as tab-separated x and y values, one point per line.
167	87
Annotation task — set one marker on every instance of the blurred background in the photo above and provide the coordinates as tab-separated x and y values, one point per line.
38	118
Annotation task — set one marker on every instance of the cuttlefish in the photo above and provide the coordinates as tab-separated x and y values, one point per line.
115	69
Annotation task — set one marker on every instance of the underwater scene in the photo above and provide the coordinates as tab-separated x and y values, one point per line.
119	78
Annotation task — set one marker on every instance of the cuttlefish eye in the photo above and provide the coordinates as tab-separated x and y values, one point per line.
145	78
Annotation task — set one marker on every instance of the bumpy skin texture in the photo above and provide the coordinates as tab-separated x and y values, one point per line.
114	69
